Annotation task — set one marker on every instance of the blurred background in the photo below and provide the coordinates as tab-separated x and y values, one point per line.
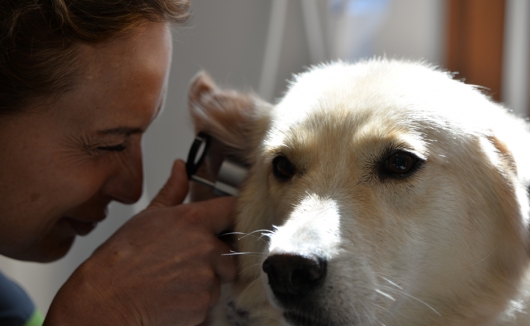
257	45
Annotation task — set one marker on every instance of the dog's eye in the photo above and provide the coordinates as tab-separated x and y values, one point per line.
282	168
400	164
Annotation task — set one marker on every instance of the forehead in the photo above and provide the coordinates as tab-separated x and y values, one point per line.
374	102
343	103
145	46
123	79
128	62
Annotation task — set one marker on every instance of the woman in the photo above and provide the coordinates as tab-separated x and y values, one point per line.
80	82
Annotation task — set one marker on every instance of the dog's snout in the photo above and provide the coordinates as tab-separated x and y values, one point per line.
291	277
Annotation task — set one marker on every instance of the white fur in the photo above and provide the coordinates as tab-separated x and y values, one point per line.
448	245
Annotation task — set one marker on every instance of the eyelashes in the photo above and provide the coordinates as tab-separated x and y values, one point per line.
95	145
114	148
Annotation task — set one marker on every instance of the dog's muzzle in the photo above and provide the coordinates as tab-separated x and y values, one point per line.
292	278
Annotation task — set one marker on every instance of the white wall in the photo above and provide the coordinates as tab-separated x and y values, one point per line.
516	57
414	29
227	38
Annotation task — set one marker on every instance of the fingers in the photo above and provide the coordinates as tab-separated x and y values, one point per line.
226	267
175	190
216	214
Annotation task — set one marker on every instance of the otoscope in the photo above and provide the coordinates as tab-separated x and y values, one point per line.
230	176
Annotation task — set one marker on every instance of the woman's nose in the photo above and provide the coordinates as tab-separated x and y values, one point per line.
126	182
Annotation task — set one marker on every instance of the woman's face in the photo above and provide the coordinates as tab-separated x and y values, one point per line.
61	164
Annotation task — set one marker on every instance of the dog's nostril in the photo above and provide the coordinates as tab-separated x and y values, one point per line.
293	276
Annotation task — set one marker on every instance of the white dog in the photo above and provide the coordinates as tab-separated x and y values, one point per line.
379	193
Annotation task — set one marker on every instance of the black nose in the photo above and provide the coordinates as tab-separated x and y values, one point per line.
292	277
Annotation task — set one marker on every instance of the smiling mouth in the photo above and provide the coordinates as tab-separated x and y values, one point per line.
81	227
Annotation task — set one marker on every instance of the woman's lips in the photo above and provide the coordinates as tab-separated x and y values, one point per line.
81	227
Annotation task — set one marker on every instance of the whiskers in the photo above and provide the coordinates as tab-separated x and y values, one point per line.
249	285
263	233
390	290
239	253
257	234
385	294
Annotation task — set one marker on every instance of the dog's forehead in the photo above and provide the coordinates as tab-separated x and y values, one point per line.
379	95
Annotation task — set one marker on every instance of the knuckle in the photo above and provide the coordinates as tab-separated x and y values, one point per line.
208	248
207	277
192	214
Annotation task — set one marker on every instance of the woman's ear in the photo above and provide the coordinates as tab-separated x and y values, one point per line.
236	122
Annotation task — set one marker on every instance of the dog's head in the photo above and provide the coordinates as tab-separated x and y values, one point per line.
383	192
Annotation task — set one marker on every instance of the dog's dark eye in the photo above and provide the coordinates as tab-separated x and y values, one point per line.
400	164
282	168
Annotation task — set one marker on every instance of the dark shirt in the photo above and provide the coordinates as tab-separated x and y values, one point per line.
16	308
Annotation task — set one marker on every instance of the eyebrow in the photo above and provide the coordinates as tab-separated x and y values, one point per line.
120	131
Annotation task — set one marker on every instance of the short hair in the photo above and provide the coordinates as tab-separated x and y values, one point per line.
39	40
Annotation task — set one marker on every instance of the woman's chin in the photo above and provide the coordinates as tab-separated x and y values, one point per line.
45	251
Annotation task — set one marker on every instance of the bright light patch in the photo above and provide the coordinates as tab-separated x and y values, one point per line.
313	228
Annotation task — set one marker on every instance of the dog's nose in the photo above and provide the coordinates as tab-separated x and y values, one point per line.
292	277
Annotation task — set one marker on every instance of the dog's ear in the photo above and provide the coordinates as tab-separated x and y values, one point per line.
235	120
229	116
514	162
504	152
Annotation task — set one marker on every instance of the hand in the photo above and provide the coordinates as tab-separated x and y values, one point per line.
164	266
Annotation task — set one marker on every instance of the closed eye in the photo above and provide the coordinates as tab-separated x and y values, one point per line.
115	148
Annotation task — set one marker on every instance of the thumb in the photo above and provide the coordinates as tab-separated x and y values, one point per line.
175	190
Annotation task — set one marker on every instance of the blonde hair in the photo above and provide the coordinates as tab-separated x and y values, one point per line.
38	40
